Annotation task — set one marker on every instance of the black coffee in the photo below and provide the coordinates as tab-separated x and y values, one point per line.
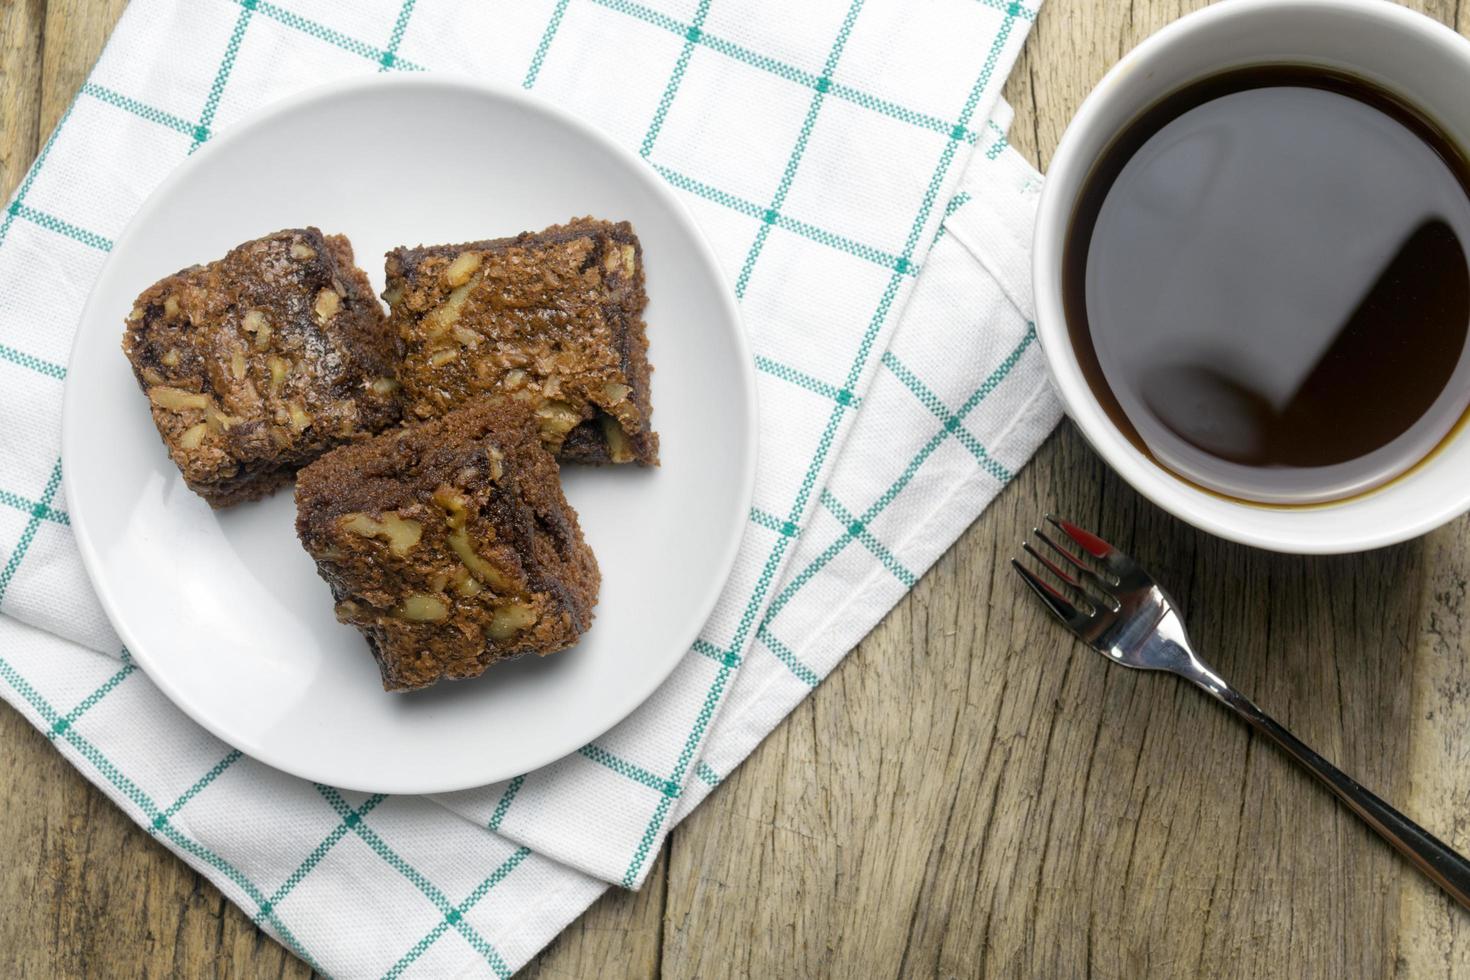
1267	287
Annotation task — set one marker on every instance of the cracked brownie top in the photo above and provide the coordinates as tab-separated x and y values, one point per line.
261	361
552	318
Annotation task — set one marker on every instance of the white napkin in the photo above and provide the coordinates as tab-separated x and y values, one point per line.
901	387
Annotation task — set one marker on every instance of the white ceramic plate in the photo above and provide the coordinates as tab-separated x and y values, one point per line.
224	610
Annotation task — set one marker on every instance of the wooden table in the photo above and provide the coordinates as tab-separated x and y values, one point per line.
969	793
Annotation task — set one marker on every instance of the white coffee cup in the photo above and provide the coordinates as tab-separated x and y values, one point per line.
1426	64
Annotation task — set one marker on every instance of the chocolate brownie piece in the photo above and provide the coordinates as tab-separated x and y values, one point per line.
449	544
553	318
258	363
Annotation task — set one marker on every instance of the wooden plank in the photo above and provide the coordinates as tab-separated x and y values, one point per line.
20	90
1433	929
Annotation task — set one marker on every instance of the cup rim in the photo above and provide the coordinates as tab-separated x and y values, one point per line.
1192	504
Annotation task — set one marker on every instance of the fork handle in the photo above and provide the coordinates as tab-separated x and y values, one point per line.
1445	866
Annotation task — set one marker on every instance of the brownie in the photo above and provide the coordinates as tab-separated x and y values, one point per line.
449	544
258	363
552	318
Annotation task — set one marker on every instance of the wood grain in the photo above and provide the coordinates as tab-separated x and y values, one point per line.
20	64
968	794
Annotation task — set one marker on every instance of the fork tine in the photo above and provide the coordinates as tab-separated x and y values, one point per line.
1053	599
1086	540
1097	588
1054	568
1066	555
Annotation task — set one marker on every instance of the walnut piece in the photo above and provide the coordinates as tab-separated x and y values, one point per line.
327	302
278	367
619	450
423	608
255	322
297	413
557	418
459	543
456	510
218	421
458	272
442	317
455	504
510	619
401	533
193	436
177	399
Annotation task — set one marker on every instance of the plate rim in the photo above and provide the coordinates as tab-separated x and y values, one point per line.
745	369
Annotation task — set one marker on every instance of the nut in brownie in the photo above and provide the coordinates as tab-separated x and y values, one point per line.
256	364
552	318
449	544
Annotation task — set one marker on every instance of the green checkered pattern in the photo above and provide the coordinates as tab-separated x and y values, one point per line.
853	165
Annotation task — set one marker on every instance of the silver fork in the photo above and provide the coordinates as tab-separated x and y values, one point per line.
1121	612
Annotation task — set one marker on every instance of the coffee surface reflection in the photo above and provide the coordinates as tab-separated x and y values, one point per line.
1267	285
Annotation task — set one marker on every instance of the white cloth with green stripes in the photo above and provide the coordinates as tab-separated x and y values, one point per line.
848	161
